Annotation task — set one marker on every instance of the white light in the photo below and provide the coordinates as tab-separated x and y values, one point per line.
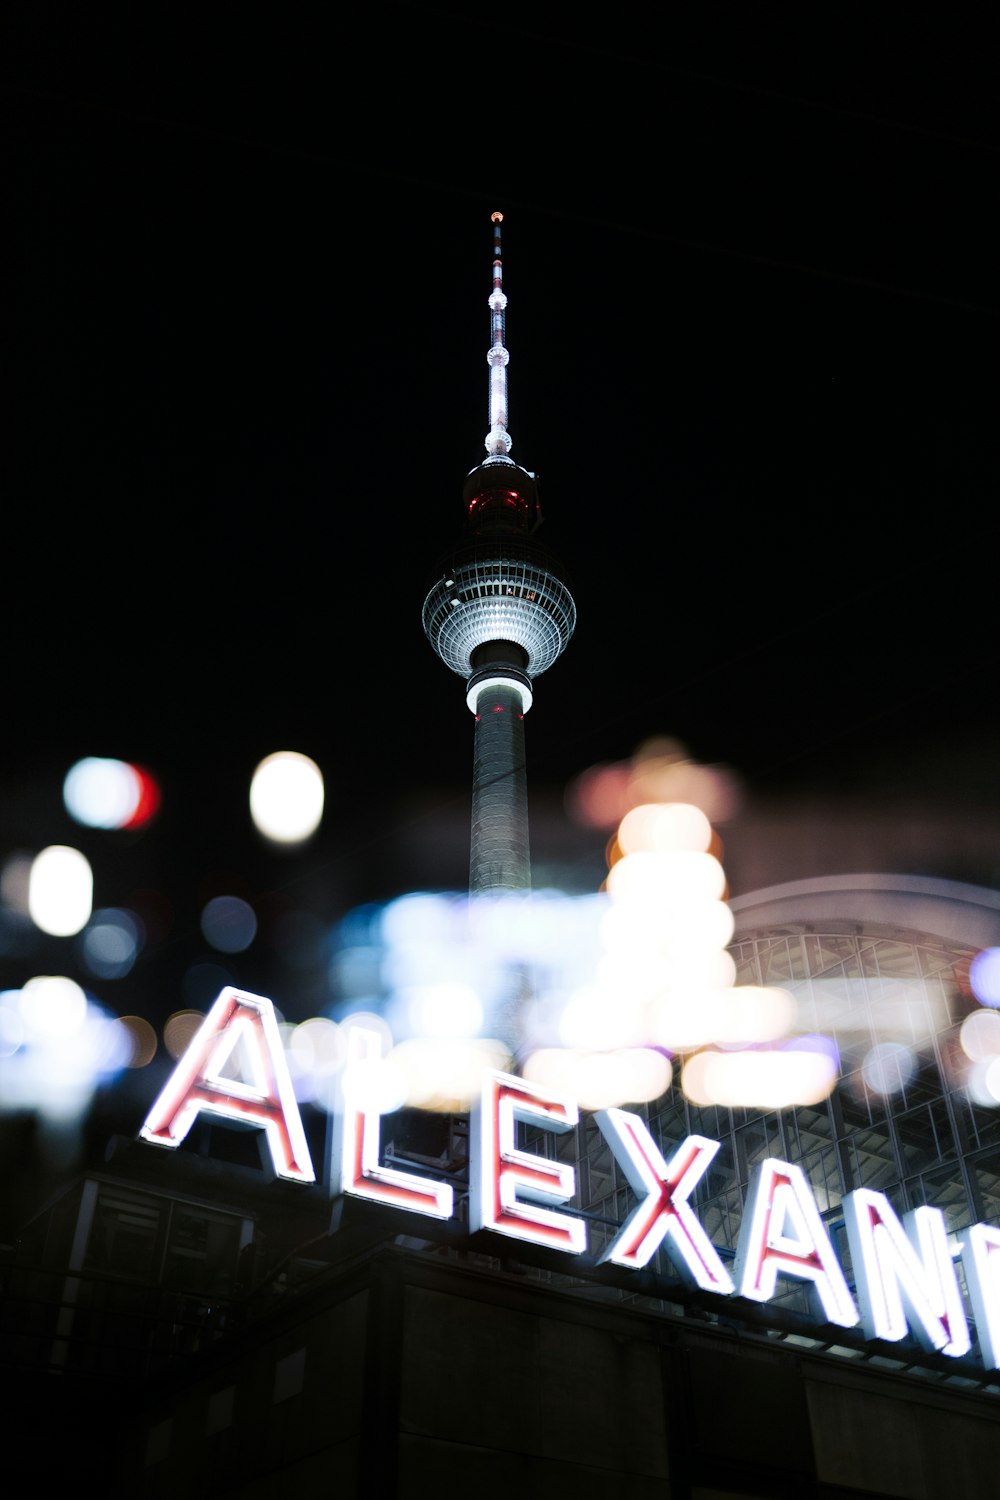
746	1013
663	826
443	1010
487	684
447	1076
600	1080
286	797
60	891
52	1007
11	1023
776	1079
594	1019
102	793
979	1034
666	876
888	1067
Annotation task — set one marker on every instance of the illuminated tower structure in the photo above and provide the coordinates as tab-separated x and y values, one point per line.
498	615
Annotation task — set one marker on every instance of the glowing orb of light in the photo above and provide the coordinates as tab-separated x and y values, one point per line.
773	1078
888	1067
286	797
443	1010
984	976
103	793
979	1034
601	1080
52	1006
662	826
141	1038
446	1075
60	891
110	942
229	924
983	1082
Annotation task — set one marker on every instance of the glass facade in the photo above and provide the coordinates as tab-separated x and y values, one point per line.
903	1119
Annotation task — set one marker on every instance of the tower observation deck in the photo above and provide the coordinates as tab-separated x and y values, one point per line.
500	614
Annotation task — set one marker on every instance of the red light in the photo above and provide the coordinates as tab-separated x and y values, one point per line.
149	799
498	708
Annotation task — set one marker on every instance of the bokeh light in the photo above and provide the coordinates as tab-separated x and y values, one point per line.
660	771
443	1010
100	792
142	1041
52	1006
60	891
15	882
888	1067
110	943
446	1074
229	924
286	797
983	1082
984	976
179	1031
600	1080
761	1078
11	1024
658	827
979	1034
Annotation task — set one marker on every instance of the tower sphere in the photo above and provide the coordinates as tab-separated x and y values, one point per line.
498	584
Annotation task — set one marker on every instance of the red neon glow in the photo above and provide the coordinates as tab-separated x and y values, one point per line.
508	1185
197	1084
981	1259
663	1214
357	1147
904	1273
782	1233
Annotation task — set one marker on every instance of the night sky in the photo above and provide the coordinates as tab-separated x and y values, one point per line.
752	324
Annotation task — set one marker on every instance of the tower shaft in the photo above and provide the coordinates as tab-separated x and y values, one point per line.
499	856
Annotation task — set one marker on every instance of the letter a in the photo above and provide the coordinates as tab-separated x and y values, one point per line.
197	1084
782	1232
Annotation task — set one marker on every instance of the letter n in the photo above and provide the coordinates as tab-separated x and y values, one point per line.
981	1259
905	1269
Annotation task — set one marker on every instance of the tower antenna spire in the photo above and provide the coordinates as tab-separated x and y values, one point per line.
498	440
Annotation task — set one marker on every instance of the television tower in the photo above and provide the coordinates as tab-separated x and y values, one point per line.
500	613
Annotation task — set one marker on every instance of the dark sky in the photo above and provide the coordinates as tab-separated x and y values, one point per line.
753	330
752	326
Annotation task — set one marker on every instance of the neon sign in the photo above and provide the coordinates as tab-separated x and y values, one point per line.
904	1269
